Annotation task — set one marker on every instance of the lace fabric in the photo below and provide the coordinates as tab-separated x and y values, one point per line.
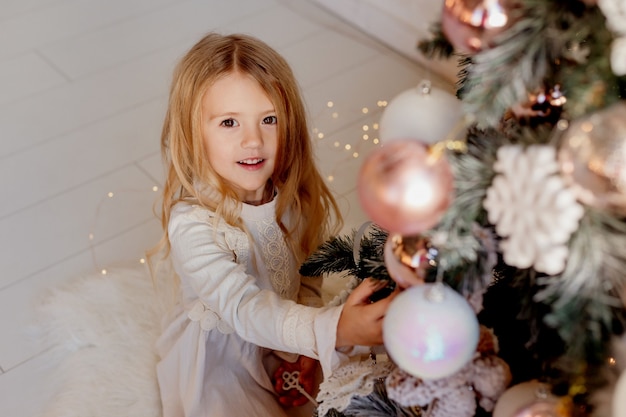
355	378
298	327
277	258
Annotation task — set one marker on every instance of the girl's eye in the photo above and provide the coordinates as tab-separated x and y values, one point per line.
270	120
229	123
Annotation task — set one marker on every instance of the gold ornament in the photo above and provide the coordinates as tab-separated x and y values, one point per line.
542	105
472	25
409	258
592	157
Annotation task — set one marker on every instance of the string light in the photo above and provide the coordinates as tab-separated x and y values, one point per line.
91	235
355	149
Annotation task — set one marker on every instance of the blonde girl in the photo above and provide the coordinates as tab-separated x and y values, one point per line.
243	205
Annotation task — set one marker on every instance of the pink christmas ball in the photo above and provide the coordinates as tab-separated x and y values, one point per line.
430	331
404	188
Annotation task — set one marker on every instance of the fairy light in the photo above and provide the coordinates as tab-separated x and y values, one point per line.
335	115
348	147
337	144
330	104
376	141
365	110
330	178
366	137
355	155
91	236
320	135
375	126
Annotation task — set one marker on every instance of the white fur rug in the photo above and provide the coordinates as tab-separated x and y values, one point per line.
103	327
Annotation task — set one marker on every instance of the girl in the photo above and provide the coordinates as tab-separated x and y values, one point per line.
243	205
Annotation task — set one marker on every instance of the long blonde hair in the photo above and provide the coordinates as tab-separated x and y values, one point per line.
314	212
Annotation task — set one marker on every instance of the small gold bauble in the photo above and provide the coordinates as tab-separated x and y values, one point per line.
592	157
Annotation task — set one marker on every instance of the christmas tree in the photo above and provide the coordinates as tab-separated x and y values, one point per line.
501	213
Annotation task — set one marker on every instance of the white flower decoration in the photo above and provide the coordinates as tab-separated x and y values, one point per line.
532	208
615	13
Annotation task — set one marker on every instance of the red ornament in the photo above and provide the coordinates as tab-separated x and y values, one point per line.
405	188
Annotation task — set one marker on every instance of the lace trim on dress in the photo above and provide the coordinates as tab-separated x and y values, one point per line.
356	378
278	259
208	318
298	327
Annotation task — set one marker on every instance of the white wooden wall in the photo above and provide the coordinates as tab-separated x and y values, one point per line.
400	24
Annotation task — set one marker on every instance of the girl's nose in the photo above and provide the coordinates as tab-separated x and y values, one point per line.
252	137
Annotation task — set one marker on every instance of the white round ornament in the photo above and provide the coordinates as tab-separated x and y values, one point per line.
430	331
425	113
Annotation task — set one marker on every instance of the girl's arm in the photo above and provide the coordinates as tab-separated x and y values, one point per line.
210	274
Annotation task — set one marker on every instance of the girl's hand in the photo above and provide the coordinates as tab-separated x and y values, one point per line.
361	321
307	368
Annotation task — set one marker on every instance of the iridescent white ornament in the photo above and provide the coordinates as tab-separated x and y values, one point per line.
404	187
430	331
425	113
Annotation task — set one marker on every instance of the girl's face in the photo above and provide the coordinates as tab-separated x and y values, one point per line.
239	129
